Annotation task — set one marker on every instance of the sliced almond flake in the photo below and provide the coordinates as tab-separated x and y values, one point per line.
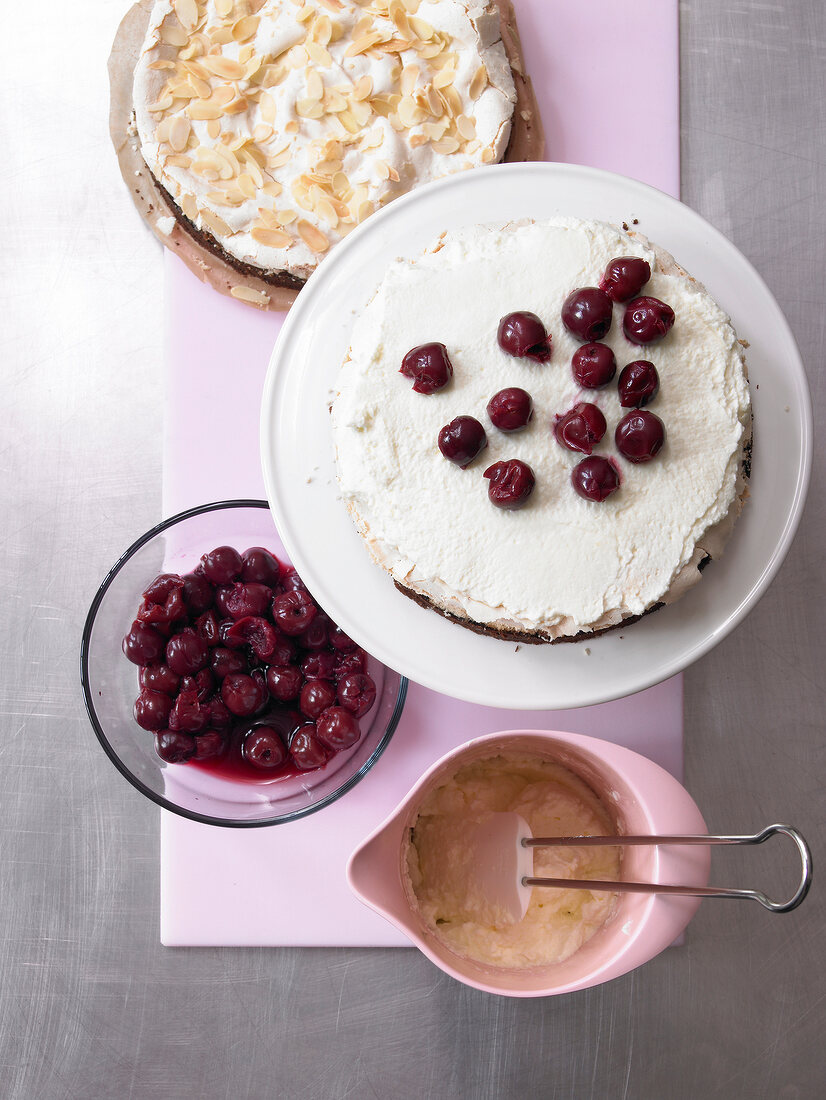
273	238
447	145
382	169
312	236
202	88
398	15
373	138
200	110
268	217
364	210
334	101
162	104
225	67
246	185
478	83
410	112
286	217
223	95
473	147
220	36
246	28
292	127
317	53
315	85
187	12
327	212
435	103
189	206
309	108
214	128
429	50
340	207
237	107
222	198
416	140
195	68
254	170
454	100
466	127
162	65
262	133
340	183
215	224
394	175
488	155
363	88
246	55
362	44
410	75
178	161
334	6
297	57
421	28
397	124
361	113
223	7
179	131
322	30
304	13
162	129
280	159
434	130
348	121
272	189
364	26
251	295
266	104
412	6
444	78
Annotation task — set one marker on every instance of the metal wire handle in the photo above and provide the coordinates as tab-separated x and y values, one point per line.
660	888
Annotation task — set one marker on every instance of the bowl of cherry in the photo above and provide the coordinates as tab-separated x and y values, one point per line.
217	685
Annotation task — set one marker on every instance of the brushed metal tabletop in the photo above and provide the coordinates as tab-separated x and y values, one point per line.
91	1005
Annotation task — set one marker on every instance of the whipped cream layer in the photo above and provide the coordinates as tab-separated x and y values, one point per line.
276	126
554	802
561	565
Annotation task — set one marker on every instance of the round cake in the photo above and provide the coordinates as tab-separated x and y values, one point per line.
274	127
543	430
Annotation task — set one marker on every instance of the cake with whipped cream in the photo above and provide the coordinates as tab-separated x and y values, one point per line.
543	429
273	127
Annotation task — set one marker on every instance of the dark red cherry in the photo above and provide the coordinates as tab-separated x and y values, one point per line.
337	729
316	697
242	694
639	436
202	683
223	661
349	663
152	709
174	747
294	611
186	653
198	593
317	634
511	483
646	320
306	750
593	365
581	427
248	599
290	581
263	749
257	633
510	410
143	644
429	366
638	384
221	596
595	478
319	666
209	744
284	651
188	713
341	641
587	313
219	716
624	277
462	439
284	682
523	335
357	693
159	678
260	566
206	626
222	565
163	600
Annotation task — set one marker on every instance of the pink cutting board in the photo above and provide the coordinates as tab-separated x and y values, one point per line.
593	64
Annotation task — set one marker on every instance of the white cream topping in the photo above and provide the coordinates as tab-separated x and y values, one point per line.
561	564
278	125
554	802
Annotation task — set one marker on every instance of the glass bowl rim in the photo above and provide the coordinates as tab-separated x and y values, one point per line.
159	800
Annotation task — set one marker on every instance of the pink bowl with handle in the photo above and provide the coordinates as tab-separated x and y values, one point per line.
641	797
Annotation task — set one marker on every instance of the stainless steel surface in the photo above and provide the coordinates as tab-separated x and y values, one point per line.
90	1004
625	886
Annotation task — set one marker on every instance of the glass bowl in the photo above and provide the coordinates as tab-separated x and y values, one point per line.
110	684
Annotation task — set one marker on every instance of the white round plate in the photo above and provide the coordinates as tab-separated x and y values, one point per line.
320	538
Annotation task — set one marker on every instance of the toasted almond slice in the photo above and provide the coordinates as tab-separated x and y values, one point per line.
201	109
315	85
297	57
214	128
223	7
272	188
237	107
268	217
365	210
488	155
416	140
267	106
247	186
177	161
421	28
280	159
382	169
246	28
317	53
347	120
393	174
327	212
312	236
363	88
251	295
333	5
215	224
262	133
478	83
446	145
309	108
410	112
189	206
361	112
409	77
412	6
161	65
225	67
334	101
202	88
179	131
340	183
373	139
274	238
444	78
286	217
163	103
361	45
466	127
430	50
435	104
220	36
187	12
453	99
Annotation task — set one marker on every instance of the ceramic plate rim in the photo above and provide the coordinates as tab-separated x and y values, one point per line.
282	373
